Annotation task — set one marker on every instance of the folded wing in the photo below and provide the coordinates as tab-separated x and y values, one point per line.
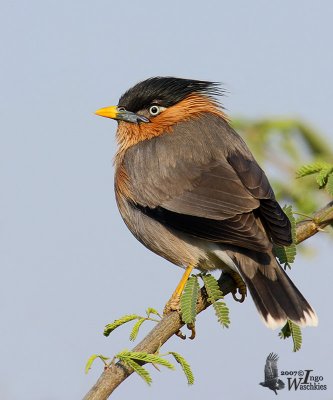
202	179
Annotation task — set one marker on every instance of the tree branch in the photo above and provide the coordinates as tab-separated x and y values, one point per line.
316	223
115	374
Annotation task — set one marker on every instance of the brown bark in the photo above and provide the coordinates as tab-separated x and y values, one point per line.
114	375
317	223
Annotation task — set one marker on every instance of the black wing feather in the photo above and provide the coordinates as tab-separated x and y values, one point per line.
241	230
255	180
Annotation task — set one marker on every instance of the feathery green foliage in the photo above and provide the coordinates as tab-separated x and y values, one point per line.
288	210
285	331
136	359
139	369
145	357
323	171
296	335
185	367
329	186
287	254
222	313
127	318
214	294
151	310
92	359
188	300
293	330
118	322
323	175
136	327
310	169
212	288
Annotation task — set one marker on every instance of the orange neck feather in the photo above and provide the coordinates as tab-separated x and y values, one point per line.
130	134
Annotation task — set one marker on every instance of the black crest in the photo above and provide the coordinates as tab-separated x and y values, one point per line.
165	91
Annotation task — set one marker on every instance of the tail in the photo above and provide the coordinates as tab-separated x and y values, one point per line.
274	294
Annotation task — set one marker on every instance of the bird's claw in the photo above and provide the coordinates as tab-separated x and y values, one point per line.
180	335
191	327
242	295
240	287
173	305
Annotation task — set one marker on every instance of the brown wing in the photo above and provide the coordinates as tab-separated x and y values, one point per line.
203	180
257	183
217	193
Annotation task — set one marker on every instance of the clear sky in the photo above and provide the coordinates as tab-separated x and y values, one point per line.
68	263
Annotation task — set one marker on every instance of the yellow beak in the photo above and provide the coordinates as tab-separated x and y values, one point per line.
108	112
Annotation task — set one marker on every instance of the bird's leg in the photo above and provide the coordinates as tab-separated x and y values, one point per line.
173	303
240	287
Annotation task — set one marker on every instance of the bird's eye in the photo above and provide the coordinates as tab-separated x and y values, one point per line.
155	110
121	108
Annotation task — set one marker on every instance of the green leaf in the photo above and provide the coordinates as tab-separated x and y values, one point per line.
285	331
188	300
139	369
287	254
212	288
296	335
288	210
145	357
214	293
222	313
118	322
151	310
293	330
323	176
136	327
329	186
310	169
185	367
92	359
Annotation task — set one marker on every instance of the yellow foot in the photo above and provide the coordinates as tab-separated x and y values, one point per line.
240	287
174	303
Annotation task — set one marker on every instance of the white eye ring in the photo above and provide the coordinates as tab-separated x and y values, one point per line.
155	110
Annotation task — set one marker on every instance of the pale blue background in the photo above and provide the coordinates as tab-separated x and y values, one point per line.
68	263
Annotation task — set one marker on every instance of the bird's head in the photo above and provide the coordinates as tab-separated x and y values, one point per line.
152	107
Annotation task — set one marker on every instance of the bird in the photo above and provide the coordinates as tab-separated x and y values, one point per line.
272	380
190	190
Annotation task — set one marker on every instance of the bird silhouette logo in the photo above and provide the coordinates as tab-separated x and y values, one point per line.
272	380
